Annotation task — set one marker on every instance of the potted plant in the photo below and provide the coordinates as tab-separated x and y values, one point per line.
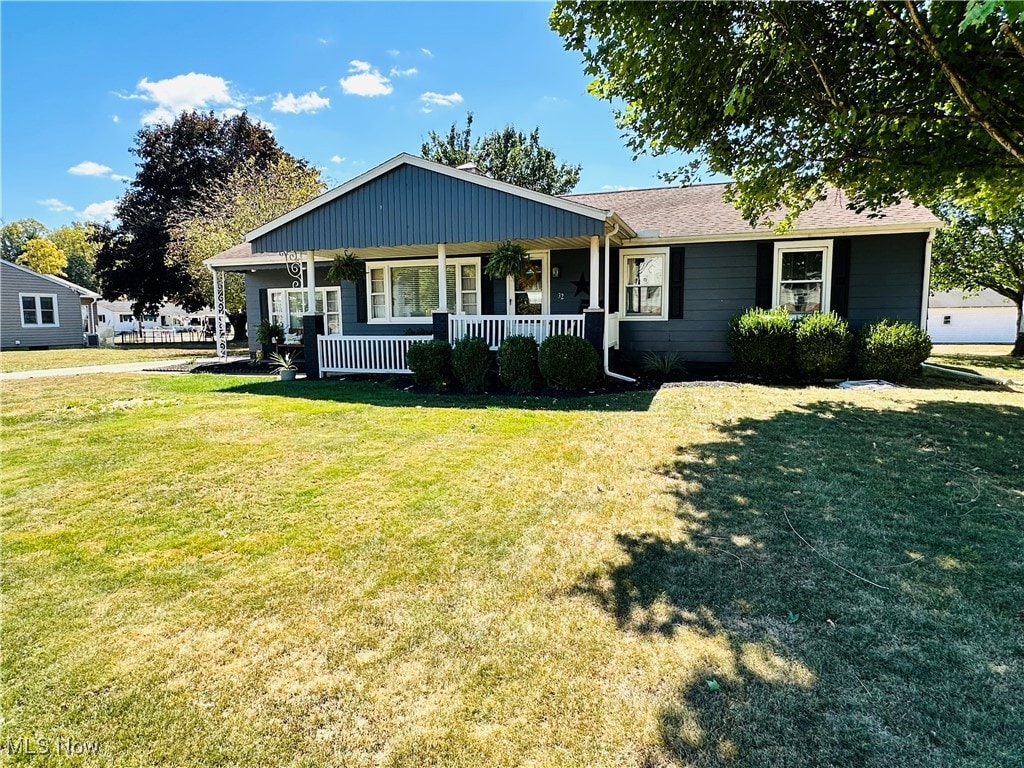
283	365
346	266
508	260
268	334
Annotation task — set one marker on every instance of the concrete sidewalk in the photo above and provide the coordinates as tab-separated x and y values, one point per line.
108	368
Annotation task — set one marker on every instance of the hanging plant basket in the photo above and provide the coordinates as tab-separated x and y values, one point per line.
508	260
346	267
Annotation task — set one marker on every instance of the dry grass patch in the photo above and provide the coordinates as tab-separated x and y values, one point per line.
232	572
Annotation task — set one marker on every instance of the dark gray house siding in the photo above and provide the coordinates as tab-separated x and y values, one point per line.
886	281
413	206
718	282
13	335
886	278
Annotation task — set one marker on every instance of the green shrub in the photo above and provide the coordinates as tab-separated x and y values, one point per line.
891	350
430	363
568	362
471	362
762	342
517	363
823	346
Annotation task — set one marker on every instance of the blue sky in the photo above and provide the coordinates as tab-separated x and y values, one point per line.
344	85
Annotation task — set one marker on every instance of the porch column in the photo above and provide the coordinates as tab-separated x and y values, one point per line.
220	333
440	315
310	284
595	271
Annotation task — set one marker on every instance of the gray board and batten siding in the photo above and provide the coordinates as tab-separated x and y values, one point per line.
68	332
413	206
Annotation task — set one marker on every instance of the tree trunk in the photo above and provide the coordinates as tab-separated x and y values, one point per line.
238	322
1018	346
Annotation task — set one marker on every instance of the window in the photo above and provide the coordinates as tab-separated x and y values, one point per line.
644	277
947	319
38	309
802	276
288	305
406	291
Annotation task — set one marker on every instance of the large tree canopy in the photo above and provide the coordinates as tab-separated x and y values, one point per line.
883	99
177	163
13	237
42	256
506	155
975	251
249	197
80	251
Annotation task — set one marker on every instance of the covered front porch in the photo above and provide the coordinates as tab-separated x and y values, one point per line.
413	289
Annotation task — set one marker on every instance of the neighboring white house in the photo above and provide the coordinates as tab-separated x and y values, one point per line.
116	317
986	318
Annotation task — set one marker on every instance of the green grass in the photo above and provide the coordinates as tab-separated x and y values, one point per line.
986	359
43	359
207	570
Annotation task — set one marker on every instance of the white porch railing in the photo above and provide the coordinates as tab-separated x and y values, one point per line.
613	330
364	354
494	328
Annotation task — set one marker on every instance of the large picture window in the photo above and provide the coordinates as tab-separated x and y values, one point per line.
644	274
407	292
288	305
39	310
802	276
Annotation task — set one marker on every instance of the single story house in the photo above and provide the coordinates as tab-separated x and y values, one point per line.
43	311
639	270
984	318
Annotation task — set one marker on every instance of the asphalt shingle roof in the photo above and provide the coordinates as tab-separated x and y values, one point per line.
701	210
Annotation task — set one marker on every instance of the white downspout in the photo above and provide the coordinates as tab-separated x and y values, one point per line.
608	304
926	289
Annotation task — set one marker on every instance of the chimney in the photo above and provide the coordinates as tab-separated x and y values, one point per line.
469	167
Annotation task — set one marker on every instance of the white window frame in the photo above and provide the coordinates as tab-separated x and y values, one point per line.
792	246
387	266
39	310
631	253
305	294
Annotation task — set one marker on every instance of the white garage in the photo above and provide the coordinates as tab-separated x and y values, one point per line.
987	318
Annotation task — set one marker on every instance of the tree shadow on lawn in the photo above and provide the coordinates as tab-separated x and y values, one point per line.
373	393
795	660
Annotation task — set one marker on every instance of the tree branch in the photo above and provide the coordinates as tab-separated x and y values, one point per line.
926	40
1012	36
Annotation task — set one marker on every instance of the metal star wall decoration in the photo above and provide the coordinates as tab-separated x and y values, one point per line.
582	285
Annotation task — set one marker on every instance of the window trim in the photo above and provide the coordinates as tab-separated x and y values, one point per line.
628	253
39	310
304	291
387	266
795	246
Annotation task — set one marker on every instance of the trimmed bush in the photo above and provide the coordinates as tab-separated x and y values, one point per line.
762	343
471	362
891	350
823	346
430	363
517	363
568	362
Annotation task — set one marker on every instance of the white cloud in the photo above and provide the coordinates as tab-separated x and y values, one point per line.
337	159
119	177
427	52
441	99
392	51
323	40
366	80
310	102
182	93
396	72
616	188
89	168
100	211
117	119
55	205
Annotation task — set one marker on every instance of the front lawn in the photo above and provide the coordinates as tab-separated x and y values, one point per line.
992	360
208	570
43	359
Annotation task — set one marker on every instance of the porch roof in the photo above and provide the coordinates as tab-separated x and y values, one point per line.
409	202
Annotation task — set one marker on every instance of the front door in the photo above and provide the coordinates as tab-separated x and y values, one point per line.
528	295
